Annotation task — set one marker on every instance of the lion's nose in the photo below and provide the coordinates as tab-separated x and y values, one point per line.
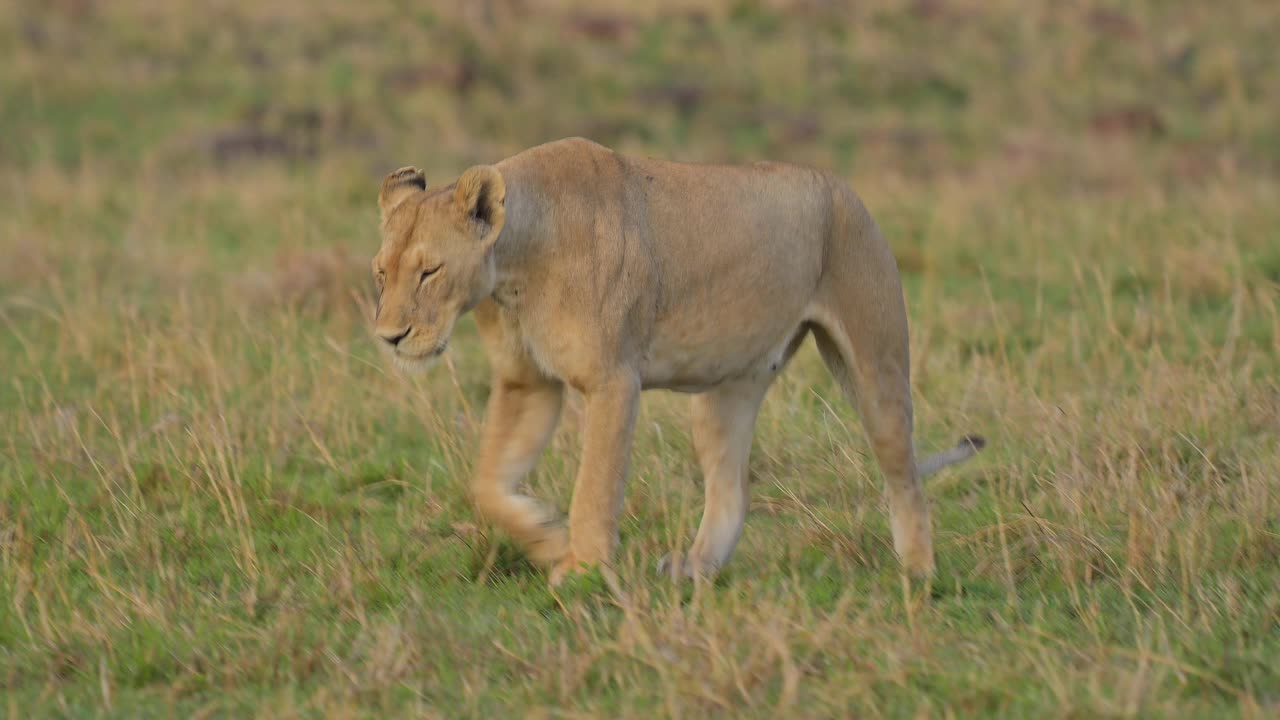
394	337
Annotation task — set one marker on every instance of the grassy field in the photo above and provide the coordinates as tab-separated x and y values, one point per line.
216	498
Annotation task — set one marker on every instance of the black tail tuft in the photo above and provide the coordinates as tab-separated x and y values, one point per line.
977	442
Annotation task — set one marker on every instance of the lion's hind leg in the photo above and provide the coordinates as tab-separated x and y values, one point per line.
723	424
868	355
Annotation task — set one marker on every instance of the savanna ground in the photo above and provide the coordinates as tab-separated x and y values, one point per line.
216	498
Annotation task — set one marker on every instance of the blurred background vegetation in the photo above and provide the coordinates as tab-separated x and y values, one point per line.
1000	99
1086	95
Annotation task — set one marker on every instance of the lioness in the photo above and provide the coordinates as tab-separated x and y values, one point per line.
615	274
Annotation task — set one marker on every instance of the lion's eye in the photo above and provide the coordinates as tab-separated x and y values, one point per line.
380	278
428	273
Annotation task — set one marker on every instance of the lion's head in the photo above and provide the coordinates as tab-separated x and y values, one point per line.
435	262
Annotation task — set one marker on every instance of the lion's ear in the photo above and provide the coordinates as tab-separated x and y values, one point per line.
479	196
399	185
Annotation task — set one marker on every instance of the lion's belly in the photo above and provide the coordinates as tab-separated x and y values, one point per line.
741	301
686	360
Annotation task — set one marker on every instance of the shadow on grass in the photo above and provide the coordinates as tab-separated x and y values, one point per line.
493	560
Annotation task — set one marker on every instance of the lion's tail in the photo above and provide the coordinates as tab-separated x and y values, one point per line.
968	446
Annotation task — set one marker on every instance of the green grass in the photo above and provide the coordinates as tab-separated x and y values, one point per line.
216	499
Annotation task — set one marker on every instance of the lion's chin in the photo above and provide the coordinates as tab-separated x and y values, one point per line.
417	364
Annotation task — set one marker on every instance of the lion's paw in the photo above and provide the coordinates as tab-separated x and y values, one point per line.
682	566
566	566
551	546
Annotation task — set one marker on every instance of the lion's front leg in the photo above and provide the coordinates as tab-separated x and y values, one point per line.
519	420
597	494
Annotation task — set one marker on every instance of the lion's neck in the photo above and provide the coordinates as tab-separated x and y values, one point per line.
516	247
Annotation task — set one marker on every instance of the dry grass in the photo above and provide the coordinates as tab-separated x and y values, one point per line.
215	498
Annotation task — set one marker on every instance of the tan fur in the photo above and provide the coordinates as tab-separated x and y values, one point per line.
612	274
